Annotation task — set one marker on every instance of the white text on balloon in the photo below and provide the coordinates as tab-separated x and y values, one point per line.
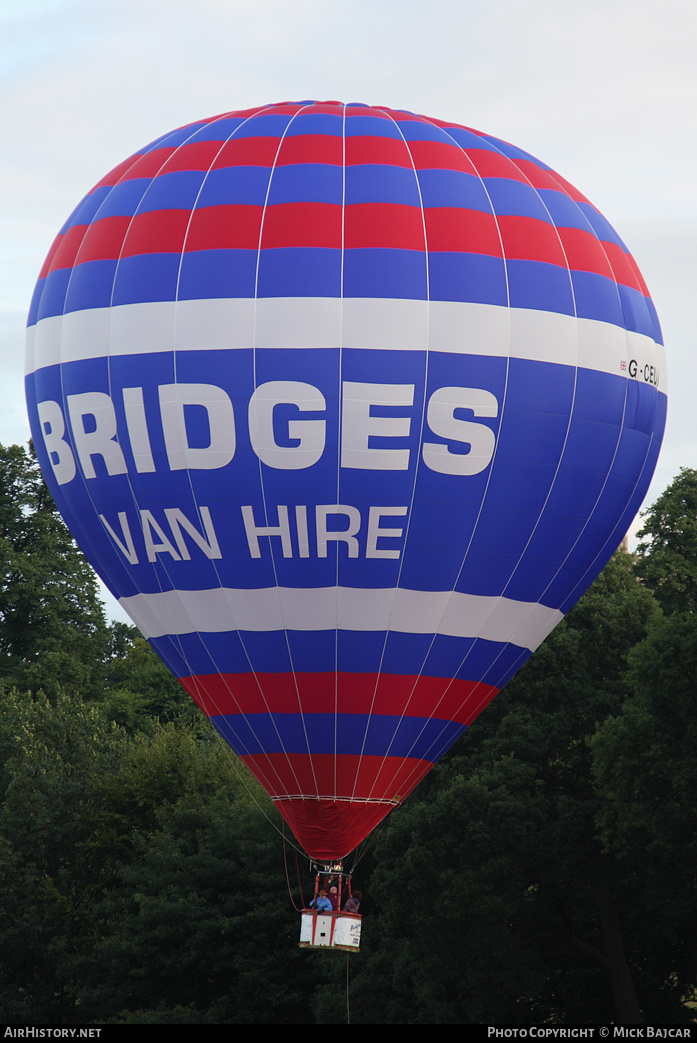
175	534
92	423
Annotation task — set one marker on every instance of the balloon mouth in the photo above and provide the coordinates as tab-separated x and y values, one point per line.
329	830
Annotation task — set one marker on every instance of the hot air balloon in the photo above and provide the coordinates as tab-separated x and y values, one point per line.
347	406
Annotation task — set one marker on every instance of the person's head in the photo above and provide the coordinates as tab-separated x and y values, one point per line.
332	890
323	894
358	895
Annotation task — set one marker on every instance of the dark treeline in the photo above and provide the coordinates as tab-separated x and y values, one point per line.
545	871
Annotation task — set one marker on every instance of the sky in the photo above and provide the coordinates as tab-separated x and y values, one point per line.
604	91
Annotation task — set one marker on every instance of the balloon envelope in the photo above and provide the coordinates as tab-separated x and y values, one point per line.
347	406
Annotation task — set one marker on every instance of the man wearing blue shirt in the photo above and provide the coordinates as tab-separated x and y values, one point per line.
321	903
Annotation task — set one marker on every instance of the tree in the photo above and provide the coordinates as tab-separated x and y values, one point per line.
52	627
140	878
55	855
645	765
668	545
645	757
139	689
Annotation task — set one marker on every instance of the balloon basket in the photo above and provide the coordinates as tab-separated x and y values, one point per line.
330	931
337	928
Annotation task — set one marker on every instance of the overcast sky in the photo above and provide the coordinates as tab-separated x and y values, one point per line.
604	91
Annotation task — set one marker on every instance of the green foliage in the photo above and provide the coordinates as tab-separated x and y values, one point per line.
668	548
193	913
52	625
135	877
543	872
139	689
55	855
645	764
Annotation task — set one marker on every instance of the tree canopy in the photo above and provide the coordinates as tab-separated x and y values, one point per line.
667	551
53	630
